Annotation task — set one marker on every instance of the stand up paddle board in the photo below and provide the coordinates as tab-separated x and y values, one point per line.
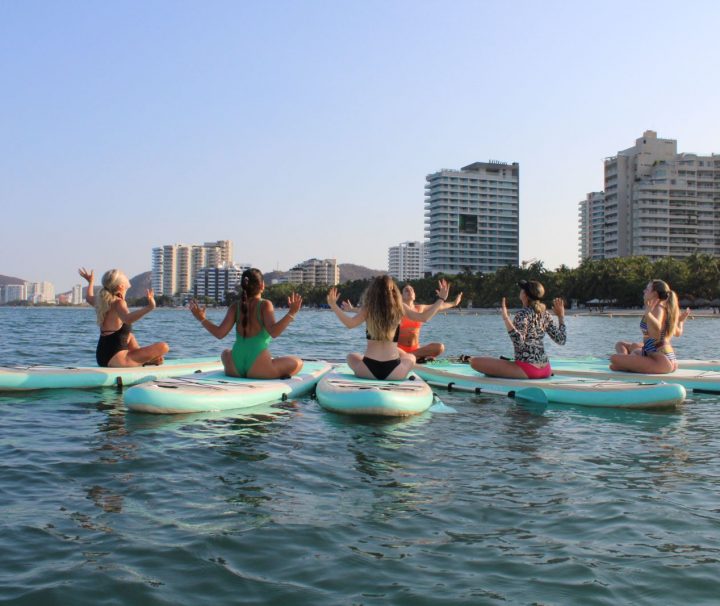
216	391
566	390
341	391
21	378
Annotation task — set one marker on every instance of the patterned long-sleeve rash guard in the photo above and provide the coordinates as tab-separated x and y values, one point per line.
528	332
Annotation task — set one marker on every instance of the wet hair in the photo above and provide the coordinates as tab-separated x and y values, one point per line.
535	291
665	293
111	281
383	302
251	283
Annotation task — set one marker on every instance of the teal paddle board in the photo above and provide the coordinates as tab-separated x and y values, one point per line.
216	391
555	390
706	381
21	378
341	391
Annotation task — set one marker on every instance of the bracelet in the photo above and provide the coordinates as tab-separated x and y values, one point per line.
203	321
291	316
441	299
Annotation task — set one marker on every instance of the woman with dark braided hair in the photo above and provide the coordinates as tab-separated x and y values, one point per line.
661	322
526	332
255	326
382	310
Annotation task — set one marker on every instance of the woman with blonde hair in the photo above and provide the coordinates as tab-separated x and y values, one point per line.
659	325
117	346
526	332
255	327
382	309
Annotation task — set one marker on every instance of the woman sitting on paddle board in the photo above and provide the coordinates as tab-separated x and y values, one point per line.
526	332
409	335
382	309
255	326
658	326
117	346
624	347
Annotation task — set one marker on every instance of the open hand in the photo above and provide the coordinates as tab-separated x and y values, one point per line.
443	289
294	303
503	308
457	300
347	306
197	311
559	307
684	315
150	294
89	275
332	296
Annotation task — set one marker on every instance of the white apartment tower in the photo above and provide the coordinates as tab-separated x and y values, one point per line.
215	282
472	218
315	272
406	261
659	203
174	266
591	216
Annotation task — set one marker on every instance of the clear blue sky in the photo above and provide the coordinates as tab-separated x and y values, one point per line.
306	128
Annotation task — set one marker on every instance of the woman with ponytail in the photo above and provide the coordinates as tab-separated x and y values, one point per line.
659	325
526	332
255	326
117	346
382	309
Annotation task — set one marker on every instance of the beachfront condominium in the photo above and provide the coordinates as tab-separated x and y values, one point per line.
213	283
591	217
174	266
472	218
315	272
661	203
406	261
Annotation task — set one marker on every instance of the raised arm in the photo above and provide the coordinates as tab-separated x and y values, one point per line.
681	322
276	328
220	331
557	333
450	304
129	317
429	310
348	321
90	277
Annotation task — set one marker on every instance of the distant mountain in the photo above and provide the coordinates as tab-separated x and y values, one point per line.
10	280
139	284
349	272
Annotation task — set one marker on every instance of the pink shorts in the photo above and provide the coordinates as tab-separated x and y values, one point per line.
533	372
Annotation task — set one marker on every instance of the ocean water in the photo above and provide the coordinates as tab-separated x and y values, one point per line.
496	503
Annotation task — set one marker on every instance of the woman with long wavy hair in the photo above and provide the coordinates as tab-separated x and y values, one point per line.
382	310
117	346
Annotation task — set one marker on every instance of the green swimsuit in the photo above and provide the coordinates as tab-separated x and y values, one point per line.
246	349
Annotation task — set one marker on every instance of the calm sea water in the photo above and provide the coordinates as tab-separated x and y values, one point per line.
496	503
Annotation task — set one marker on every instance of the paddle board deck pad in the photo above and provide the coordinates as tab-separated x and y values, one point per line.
343	392
216	391
704	381
555	390
22	378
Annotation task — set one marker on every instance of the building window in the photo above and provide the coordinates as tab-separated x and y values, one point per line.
468	224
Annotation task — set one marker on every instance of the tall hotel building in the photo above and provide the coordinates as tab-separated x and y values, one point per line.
659	203
315	272
175	266
472	218
591	217
406	261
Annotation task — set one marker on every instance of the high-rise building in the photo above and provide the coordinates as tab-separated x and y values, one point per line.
591	215
315	272
174	266
659	203
14	292
406	261
215	282
76	297
40	292
472	218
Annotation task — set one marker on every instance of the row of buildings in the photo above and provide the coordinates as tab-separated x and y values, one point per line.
37	292
656	202
207	271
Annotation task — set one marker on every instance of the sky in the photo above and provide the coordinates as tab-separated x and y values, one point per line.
306	128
